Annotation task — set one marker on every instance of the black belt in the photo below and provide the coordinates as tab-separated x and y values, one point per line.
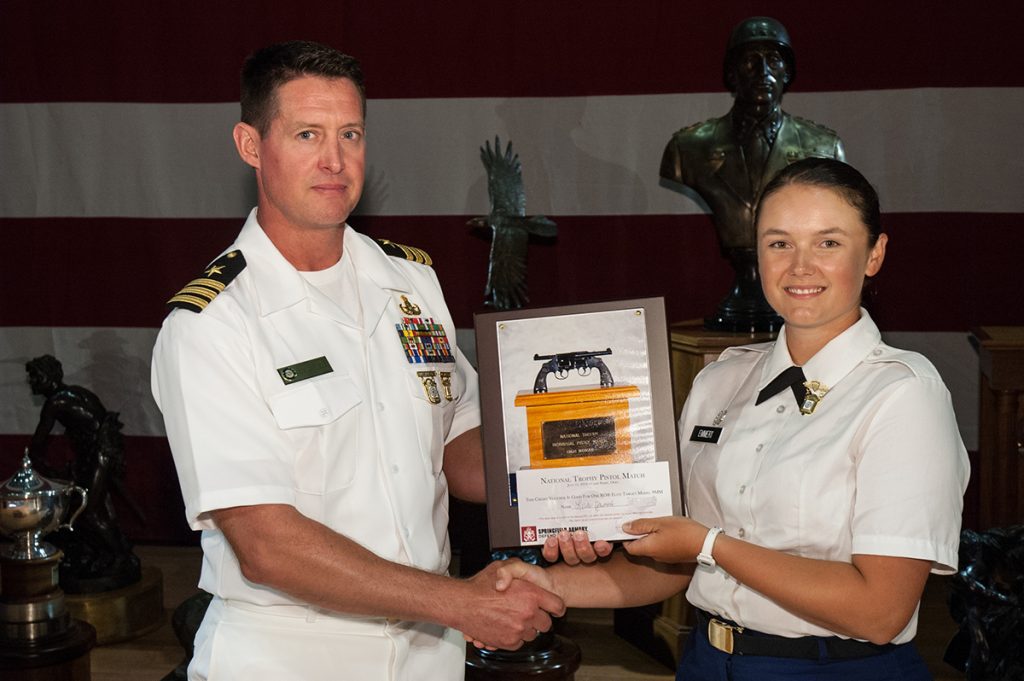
736	640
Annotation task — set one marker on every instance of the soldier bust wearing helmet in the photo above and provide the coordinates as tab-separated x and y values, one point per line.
729	160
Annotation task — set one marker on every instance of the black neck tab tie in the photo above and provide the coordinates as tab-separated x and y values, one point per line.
793	377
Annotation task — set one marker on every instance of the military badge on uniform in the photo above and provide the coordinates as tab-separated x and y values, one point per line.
408	307
815	392
429	381
424	341
446	385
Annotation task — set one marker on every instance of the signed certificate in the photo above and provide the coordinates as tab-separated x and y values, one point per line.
597	499
578	421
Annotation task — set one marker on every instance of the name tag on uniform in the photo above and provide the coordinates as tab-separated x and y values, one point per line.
303	370
706	434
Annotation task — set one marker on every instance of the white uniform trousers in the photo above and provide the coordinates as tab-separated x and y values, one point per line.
239	641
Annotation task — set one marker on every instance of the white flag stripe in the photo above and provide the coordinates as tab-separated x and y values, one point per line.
928	150
111	362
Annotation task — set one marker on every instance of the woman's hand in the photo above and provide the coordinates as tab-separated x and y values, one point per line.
575	548
669	539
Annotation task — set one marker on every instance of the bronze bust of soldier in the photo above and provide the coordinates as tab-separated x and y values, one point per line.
728	160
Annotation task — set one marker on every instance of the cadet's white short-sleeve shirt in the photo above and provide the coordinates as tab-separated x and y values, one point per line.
878	468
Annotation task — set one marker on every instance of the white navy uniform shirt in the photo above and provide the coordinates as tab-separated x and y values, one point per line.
358	448
878	468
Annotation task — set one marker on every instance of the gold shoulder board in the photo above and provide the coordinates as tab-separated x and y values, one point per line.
199	292
402	251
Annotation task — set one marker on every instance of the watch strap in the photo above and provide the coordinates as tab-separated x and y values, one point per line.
705	558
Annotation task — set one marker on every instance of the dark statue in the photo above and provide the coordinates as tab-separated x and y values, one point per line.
97	555
510	228
727	161
986	602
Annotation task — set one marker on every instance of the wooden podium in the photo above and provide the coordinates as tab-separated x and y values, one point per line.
661	629
1001	425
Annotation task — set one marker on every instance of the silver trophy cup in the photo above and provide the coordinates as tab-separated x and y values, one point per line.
31	507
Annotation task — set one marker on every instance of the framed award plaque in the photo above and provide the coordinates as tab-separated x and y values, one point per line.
578	425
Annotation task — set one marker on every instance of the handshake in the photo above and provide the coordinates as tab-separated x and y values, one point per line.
519	599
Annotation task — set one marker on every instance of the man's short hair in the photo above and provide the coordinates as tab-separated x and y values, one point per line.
267	69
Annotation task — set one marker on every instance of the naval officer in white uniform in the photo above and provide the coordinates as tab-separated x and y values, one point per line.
319	413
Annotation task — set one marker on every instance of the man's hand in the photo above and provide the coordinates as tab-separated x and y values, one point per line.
669	539
508	618
575	548
512	569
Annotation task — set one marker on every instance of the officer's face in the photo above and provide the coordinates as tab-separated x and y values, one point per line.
759	75
309	165
813	255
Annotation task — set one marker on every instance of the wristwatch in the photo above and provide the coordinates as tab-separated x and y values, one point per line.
704	558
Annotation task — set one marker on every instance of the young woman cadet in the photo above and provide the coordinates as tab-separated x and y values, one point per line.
823	473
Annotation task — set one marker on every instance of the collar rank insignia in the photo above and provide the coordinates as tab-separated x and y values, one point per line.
201	291
815	391
410	253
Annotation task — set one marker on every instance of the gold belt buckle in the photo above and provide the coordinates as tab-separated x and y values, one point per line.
720	635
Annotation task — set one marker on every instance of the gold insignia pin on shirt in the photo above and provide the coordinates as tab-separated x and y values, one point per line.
429	381
408	307
446	385
815	392
719	417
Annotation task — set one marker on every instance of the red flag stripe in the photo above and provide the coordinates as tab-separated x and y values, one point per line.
189	51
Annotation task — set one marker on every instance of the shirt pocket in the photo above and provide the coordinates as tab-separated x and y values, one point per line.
315	404
433	410
322	422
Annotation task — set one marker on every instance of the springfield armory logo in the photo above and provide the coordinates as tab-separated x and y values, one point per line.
552	531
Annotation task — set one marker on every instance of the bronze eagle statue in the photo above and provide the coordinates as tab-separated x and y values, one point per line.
510	227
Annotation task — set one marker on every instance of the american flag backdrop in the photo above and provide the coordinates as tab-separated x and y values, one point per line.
119	180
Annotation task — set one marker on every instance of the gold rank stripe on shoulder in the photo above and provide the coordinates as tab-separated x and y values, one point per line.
201	291
402	251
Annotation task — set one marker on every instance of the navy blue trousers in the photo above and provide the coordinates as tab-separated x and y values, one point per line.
702	662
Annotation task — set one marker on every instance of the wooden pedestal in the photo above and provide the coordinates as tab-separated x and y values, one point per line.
661	629
1001	425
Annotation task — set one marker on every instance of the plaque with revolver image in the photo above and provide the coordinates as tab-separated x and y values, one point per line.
578	421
